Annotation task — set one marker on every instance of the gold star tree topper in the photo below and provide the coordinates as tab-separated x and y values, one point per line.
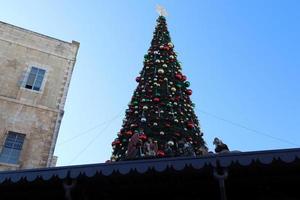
161	10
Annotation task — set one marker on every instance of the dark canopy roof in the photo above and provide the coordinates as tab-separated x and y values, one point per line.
258	169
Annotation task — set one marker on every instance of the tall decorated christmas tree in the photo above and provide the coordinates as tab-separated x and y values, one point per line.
160	120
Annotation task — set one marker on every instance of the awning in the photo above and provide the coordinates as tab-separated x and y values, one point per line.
257	169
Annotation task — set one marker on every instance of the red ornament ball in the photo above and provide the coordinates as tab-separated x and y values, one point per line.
183	78
160	153
156	99
143	137
189	92
177	134
190	125
178	76
129	133
116	142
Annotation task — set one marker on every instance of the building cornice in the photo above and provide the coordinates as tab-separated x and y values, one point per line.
16	101
27	38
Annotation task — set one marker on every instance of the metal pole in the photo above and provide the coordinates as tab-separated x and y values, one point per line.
221	179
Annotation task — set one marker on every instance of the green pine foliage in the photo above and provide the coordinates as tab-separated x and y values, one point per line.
160	119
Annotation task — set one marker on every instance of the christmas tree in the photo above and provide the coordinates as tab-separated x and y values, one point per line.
160	119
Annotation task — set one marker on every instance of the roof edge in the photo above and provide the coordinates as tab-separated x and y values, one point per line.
73	42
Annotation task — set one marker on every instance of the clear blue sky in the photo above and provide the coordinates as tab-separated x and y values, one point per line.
241	57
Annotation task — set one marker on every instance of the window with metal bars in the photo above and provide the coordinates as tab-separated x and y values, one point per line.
12	148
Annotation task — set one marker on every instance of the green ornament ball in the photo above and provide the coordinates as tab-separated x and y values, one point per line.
187	84
178	85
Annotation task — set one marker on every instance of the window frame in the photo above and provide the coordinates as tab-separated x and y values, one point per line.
11	151
26	77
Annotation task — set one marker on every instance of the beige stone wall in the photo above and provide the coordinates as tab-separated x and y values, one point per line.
35	114
36	124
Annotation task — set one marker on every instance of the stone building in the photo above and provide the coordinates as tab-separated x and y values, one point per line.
35	73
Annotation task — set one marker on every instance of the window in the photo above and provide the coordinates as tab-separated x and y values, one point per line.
12	148
35	79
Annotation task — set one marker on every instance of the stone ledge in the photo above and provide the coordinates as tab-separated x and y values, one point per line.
26	104
9	165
